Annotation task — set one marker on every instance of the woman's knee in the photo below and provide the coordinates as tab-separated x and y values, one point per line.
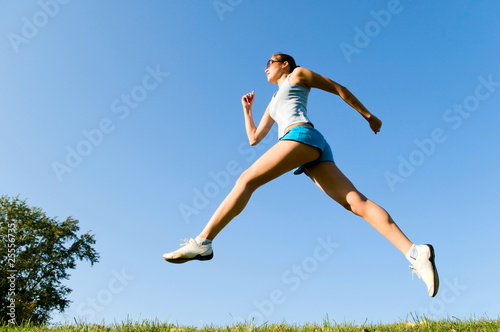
356	203
247	181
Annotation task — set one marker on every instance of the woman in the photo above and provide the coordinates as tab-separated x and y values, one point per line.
303	148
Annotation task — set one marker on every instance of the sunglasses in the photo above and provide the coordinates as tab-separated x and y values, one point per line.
270	62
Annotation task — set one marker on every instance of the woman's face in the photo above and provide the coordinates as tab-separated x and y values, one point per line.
274	70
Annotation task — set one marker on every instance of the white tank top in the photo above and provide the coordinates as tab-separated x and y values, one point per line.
289	106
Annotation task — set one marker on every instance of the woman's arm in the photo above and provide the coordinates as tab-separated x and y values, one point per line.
310	79
255	134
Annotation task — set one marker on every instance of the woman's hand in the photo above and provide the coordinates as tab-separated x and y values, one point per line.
375	123
247	101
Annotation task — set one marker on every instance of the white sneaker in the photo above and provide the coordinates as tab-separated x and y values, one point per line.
422	258
191	250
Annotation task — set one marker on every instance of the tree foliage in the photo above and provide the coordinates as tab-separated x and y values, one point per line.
36	253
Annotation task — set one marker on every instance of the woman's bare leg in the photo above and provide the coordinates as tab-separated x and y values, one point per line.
281	158
336	185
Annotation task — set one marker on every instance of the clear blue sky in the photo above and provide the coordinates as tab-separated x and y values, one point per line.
127	116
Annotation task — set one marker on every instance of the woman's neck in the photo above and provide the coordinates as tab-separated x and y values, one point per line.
282	79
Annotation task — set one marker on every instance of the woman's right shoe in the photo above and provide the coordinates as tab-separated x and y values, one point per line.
422	257
190	250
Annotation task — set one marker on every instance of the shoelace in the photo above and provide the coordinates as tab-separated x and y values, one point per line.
414	272
186	242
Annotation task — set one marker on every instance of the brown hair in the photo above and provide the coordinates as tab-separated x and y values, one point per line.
288	58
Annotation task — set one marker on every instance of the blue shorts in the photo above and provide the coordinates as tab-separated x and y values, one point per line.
312	137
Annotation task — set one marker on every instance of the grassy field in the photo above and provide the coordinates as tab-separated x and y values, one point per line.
445	325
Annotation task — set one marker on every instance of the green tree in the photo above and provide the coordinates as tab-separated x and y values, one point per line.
36	253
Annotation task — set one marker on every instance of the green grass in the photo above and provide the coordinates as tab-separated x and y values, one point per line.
444	325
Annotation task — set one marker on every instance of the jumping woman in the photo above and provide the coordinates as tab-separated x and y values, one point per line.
303	149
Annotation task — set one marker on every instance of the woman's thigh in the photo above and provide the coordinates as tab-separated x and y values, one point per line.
329	178
283	157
